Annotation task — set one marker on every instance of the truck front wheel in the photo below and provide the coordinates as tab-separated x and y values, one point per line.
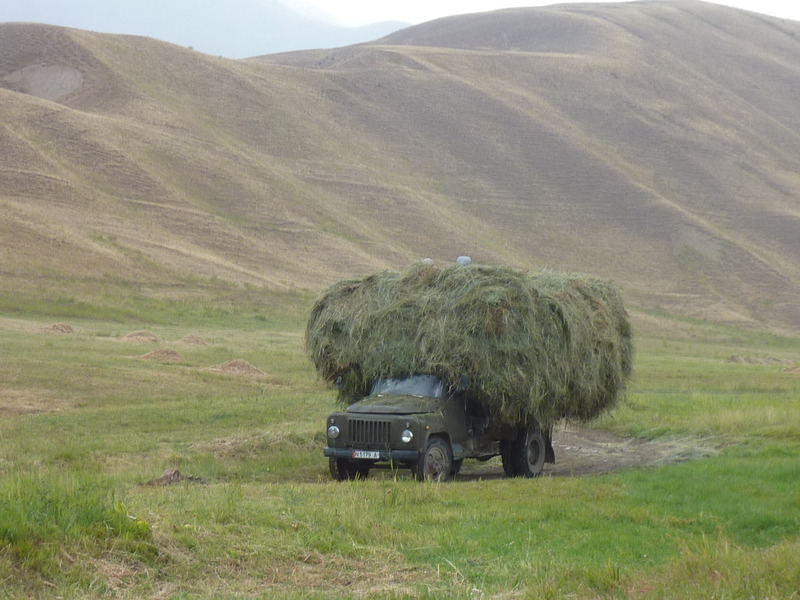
436	463
343	469
524	457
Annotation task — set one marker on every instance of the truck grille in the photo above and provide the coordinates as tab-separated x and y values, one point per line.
370	432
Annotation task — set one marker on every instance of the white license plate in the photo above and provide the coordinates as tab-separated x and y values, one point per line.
370	454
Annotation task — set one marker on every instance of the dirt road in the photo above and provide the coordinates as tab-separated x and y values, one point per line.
584	451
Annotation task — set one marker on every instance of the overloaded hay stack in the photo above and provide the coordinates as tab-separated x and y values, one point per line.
541	346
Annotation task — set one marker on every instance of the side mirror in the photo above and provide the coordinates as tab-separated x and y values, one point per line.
463	383
339	383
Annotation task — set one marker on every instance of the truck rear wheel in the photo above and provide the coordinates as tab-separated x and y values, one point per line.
343	469
524	456
506	450
436	462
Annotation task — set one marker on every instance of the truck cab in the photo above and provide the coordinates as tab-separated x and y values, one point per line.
416	422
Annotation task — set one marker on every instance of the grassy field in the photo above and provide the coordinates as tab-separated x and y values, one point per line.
88	417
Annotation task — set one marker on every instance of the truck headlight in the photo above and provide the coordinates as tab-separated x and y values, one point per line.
407	436
333	432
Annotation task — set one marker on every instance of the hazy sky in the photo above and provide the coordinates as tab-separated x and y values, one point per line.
360	12
242	28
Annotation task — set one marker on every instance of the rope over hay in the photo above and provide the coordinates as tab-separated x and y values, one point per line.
541	346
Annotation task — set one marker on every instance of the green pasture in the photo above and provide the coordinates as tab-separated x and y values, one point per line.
85	421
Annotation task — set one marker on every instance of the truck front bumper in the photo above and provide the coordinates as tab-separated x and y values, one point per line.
393	456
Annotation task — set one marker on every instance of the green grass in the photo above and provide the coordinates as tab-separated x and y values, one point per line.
211	302
84	421
53	524
689	388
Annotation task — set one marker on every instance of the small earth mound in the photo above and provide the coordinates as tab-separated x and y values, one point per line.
142	337
171	476
737	359
165	354
58	328
237	366
194	339
776	361
795	369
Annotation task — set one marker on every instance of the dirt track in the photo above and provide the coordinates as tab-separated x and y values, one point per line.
584	451
590	451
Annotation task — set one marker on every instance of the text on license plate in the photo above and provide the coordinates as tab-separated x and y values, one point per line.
371	454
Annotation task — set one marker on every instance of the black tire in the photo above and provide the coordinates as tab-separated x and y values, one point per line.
528	452
343	469
436	462
550	453
506	453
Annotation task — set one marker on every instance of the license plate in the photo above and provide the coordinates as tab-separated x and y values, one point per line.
369	454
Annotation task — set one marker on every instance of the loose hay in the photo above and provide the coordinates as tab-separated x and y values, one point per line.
193	339
237	367
163	354
540	346
142	337
58	328
750	360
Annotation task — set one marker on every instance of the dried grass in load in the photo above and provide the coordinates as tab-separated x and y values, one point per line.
545	346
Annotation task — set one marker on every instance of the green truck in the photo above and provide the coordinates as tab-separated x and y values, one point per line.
437	365
416	423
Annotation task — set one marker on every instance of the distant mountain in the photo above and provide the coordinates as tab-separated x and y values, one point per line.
234	29
654	143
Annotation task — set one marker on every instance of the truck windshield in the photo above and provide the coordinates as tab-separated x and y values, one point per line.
422	386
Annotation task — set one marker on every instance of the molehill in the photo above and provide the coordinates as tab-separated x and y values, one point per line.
541	346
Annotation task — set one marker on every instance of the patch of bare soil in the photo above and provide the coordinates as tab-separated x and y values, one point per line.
237	366
58	328
142	337
51	82
583	451
194	339
163	354
795	369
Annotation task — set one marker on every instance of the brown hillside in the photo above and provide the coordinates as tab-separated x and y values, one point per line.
654	143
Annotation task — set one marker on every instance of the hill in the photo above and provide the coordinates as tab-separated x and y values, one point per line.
654	143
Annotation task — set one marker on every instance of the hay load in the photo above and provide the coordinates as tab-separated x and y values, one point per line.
541	346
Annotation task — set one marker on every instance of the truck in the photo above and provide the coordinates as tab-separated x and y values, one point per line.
438	365
416	423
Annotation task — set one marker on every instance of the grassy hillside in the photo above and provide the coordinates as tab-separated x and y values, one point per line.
652	143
